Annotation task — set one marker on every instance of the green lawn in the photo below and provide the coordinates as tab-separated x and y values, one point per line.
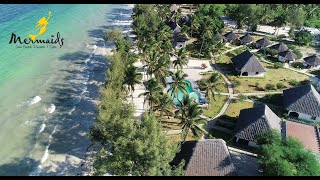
248	84
233	110
222	86
274	101
178	137
215	106
170	124
272	76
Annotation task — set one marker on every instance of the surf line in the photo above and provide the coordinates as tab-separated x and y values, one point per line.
54	40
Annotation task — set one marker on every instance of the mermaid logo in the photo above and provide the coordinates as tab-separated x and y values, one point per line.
35	40
41	26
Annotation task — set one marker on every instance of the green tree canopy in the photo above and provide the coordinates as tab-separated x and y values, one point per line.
286	158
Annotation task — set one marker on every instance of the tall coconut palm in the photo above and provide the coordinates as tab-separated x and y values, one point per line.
209	85
132	77
178	83
191	120
164	105
182	59
153	89
151	61
161	67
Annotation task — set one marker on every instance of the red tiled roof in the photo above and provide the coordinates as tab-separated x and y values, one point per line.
307	134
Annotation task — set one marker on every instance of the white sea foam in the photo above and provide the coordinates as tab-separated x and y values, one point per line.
34	100
46	154
42	127
37	171
51	109
70	112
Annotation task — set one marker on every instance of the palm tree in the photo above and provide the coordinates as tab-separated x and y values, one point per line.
151	61
153	90
161	67
209	85
191	120
178	83
218	48
182	59
165	105
132	77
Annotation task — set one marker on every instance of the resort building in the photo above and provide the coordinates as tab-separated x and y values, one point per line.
231	37
312	62
302	102
255	121
211	157
287	56
246	39
280	47
181	41
262	43
246	64
220	37
307	134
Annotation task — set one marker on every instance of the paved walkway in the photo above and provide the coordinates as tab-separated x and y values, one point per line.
137	101
258	93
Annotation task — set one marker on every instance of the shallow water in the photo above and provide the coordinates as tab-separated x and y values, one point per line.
47	94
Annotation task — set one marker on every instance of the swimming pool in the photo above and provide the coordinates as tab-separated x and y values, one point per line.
192	94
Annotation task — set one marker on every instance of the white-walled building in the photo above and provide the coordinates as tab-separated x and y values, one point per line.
255	121
302	102
312	62
287	56
246	64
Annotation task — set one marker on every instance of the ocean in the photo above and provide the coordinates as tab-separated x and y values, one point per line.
48	93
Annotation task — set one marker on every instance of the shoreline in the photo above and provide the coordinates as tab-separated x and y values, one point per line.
78	160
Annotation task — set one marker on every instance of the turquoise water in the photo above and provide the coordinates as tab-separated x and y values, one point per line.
47	94
192	94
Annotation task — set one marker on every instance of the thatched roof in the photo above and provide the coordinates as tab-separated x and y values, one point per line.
303	99
313	60
247	62
255	121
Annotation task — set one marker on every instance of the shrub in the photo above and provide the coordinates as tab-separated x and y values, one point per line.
305	82
294	82
281	86
298	53
278	65
303	38
204	66
242	97
271	52
236	83
297	65
270	86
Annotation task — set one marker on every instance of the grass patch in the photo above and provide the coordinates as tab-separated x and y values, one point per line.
215	106
170	124
216	134
274	101
221	86
233	110
315	72
178	138
272	76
